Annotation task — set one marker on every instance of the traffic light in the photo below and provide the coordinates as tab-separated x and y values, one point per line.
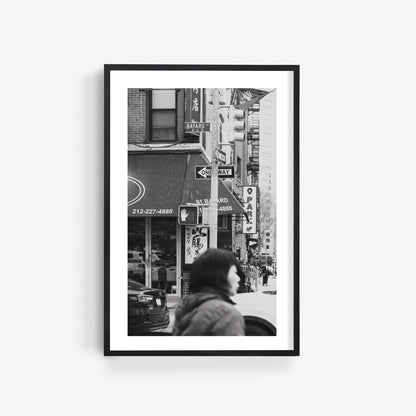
239	125
187	215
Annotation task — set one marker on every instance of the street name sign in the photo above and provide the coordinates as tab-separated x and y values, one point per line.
197	126
204	172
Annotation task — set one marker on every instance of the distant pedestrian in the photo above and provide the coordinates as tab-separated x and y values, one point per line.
265	272
243	284
209	309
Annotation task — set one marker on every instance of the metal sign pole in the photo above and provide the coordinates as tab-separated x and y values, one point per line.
213	217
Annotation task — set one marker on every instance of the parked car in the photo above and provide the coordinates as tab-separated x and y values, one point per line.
147	309
259	311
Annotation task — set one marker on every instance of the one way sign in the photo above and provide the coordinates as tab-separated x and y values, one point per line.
204	172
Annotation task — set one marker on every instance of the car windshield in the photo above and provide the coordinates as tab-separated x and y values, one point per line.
136	286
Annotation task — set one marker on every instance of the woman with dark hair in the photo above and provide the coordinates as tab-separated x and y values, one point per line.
209	309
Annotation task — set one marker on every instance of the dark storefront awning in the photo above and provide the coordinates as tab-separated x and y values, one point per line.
159	183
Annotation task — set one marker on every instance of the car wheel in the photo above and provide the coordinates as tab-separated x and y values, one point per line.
253	329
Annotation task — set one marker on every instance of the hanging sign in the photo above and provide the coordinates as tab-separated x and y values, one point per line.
196	242
250	205
193	104
244	98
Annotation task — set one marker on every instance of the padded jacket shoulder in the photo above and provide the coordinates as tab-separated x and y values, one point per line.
211	317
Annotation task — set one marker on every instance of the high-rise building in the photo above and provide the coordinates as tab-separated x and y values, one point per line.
267	174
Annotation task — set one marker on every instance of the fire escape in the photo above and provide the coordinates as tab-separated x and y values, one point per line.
253	140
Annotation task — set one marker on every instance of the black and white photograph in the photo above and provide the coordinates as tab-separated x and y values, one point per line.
176	138
202	238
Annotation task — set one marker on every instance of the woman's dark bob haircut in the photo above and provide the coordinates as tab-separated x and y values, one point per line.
210	270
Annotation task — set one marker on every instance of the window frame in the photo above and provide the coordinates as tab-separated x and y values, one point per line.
150	115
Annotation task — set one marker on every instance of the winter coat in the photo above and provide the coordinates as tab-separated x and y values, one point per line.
208	313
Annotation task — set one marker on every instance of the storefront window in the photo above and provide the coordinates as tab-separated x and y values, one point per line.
136	250
159	269
163	237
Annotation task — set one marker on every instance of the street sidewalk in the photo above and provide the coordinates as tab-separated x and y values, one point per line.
271	284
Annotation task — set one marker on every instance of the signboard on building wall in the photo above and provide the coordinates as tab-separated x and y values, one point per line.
193	104
196	242
250	205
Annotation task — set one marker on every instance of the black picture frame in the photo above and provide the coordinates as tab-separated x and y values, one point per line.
115	68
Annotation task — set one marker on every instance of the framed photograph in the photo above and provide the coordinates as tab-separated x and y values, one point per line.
202	194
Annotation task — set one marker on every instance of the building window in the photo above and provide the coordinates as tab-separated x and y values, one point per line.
163	115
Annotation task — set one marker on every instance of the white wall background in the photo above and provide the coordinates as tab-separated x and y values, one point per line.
358	206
